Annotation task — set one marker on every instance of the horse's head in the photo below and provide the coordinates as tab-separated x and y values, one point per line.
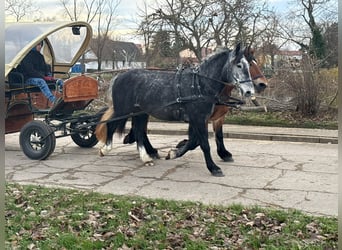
237	72
259	80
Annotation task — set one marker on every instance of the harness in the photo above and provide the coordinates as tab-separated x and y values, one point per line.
197	95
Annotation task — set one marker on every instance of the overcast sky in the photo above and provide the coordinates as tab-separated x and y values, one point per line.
127	11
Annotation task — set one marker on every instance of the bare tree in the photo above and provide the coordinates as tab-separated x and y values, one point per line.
85	10
105	20
197	24
100	12
19	8
314	14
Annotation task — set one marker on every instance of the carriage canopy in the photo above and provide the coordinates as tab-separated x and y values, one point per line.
64	42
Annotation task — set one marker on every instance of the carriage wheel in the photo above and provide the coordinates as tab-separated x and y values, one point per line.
37	140
85	137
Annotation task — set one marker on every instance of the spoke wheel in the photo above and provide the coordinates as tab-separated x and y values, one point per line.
85	136
37	140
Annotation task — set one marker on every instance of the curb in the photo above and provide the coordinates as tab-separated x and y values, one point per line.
255	136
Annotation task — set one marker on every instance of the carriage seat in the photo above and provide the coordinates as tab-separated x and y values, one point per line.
15	84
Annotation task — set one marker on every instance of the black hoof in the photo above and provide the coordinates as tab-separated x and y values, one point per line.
225	155
217	173
155	156
228	159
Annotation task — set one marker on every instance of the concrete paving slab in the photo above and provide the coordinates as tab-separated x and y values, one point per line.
278	174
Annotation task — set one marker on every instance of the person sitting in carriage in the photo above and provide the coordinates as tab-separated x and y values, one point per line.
37	72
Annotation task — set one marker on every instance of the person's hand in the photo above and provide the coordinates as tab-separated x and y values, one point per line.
49	78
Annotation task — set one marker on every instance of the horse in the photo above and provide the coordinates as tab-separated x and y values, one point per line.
221	109
187	95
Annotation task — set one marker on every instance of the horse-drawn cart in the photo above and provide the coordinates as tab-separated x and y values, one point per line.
27	110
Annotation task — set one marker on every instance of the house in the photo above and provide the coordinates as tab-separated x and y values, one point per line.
290	58
189	56
115	55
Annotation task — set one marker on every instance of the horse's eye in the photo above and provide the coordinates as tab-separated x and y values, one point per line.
239	65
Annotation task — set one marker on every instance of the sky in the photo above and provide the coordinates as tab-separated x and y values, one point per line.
127	11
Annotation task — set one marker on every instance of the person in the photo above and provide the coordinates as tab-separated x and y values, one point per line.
37	72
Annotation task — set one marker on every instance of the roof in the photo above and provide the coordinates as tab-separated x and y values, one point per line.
118	50
290	52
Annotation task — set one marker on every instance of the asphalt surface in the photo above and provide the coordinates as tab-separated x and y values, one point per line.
273	167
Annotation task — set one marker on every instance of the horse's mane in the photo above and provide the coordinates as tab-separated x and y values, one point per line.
221	51
213	56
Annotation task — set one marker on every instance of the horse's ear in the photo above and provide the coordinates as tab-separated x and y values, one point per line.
249	50
237	49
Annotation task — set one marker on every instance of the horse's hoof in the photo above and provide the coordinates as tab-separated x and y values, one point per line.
100	153
171	155
228	159
217	173
155	156
149	163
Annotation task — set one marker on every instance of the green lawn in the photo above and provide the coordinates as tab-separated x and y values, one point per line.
51	218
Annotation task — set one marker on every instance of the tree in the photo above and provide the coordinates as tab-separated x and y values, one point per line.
19	9
147	28
197	24
331	38
310	37
100	11
161	44
77	10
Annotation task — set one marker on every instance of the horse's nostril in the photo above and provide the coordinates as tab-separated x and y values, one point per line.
262	86
248	94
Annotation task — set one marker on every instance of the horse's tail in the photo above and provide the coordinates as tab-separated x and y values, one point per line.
108	94
101	128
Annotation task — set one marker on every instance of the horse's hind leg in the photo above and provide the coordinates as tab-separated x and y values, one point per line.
221	150
183	142
130	138
187	144
111	127
139	127
200	135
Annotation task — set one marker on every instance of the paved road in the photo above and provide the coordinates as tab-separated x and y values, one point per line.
277	174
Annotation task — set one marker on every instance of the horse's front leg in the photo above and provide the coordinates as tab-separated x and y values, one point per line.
224	154
202	134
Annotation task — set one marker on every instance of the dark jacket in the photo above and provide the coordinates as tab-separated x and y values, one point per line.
33	65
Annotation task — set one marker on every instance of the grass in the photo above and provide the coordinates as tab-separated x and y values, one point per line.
283	119
280	119
51	218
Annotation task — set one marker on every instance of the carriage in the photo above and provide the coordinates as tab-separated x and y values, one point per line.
27	110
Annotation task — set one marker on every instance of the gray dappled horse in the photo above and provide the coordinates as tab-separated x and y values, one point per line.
220	110
187	95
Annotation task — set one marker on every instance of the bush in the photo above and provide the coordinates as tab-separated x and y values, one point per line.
308	87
